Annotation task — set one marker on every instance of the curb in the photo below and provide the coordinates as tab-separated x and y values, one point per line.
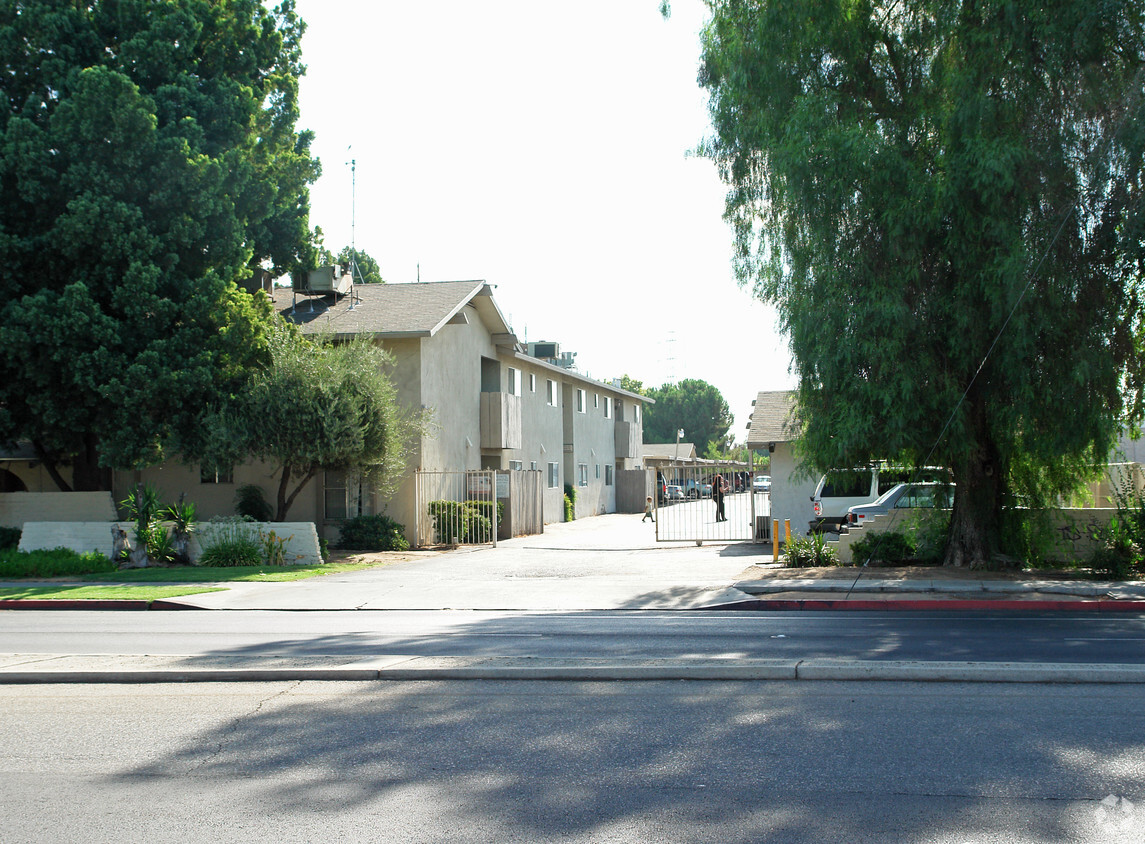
397	669
94	604
931	605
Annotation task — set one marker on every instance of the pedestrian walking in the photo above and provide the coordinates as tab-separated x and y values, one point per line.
719	489
648	514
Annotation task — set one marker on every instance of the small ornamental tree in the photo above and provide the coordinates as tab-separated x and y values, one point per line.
318	406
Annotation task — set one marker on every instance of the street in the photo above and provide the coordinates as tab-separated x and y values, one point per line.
1081	638
482	761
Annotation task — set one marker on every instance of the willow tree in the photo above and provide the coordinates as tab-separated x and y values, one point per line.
149	162
943	201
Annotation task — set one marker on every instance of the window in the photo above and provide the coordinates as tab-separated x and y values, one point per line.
533	465
335	495
516	465
608	474
608	407
552	389
596	400
582	474
598	471
581	401
215	475
532	382
554	474
514	382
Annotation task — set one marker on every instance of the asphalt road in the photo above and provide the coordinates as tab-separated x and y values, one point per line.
981	637
572	762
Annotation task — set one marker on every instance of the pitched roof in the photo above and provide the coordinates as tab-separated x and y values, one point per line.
416	309
772	419
669	451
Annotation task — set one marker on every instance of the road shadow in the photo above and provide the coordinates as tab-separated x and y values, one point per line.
705	762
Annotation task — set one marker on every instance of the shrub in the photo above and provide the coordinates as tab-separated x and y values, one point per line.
883	549
250	501
570	503
463	521
57	562
808	551
9	537
1120	556
373	533
230	542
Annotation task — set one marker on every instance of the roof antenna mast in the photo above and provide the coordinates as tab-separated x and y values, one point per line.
355	273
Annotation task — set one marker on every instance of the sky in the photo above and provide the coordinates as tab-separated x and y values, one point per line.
542	147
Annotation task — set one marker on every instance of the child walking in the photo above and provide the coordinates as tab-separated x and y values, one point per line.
648	514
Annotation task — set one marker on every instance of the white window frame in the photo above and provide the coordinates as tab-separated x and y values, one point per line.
551	386
582	474
516	465
533	465
608	476
532	382
514	384
581	401
608	407
554	476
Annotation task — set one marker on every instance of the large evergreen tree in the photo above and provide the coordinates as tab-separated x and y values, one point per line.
149	163
694	405
942	199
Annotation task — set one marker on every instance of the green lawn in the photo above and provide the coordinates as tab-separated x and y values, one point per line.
152	584
206	574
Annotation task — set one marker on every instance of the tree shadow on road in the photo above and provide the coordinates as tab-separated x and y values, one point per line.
684	761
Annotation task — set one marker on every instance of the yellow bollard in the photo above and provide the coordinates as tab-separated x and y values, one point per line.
787	531
775	541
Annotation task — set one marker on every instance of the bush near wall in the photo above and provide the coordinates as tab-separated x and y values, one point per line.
57	562
9	537
373	533
464	522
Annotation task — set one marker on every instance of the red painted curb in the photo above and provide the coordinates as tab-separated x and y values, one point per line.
96	604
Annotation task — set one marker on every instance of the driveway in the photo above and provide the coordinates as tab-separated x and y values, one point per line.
602	562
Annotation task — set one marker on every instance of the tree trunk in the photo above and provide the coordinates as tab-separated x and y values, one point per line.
283	500
280	503
975	524
87	474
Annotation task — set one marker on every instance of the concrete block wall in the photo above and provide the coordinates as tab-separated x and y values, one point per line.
1076	533
301	547
17	508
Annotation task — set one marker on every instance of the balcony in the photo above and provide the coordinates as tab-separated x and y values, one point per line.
627	439
500	420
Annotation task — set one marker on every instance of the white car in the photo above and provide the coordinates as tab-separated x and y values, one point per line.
674	493
903	497
761	483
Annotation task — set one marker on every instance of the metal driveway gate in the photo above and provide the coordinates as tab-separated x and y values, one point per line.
456	508
689	508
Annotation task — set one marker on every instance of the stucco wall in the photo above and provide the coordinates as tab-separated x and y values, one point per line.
790	492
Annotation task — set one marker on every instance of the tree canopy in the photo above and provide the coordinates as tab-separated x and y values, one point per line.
942	201
149	163
694	405
318	406
367	269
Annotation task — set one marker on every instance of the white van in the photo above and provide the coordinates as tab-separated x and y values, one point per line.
841	489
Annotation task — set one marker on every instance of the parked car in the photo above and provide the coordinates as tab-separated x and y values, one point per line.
761	483
674	493
903	497
841	489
